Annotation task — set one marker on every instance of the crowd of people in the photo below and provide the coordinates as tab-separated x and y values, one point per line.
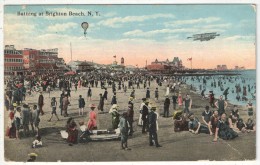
214	119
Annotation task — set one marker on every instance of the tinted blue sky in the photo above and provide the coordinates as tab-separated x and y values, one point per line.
239	18
151	25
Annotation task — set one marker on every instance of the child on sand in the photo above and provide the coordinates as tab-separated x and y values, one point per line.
37	142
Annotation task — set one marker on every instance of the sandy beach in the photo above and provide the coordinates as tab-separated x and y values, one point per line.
181	146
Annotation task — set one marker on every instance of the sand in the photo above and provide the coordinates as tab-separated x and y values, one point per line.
181	146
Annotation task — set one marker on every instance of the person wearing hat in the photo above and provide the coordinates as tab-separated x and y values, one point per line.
105	94
114	100
32	157
17	95
15	105
114	87
132	94
156	94
11	130
115	116
41	103
145	112
137	84
174	100
124	128
89	93
71	128
119	85
140	121
147	93
166	107
61	103
145	83
65	104
26	119
152	120
92	122
81	105
101	103
131	102
18	121
130	117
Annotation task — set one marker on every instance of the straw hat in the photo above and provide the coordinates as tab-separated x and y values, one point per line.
32	155
25	105
114	106
153	108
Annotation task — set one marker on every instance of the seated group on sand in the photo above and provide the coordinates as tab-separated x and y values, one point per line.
221	126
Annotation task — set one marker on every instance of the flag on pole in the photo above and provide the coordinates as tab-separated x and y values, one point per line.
189	59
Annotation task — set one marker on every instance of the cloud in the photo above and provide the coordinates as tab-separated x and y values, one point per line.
14	18
18	28
172	37
56	37
226	25
240	38
117	22
61	27
191	21
110	14
140	33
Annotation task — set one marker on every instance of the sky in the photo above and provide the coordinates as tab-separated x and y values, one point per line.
138	33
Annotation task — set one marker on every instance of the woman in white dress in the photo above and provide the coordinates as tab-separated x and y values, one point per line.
167	90
140	121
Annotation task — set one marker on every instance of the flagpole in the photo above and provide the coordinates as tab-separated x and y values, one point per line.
70	52
191	62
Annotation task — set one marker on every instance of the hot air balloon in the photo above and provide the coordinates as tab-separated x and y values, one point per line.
84	25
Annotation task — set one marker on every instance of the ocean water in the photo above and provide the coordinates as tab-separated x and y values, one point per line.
247	77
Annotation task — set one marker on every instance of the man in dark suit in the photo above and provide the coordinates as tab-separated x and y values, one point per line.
145	112
166	107
130	116
41	103
152	117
